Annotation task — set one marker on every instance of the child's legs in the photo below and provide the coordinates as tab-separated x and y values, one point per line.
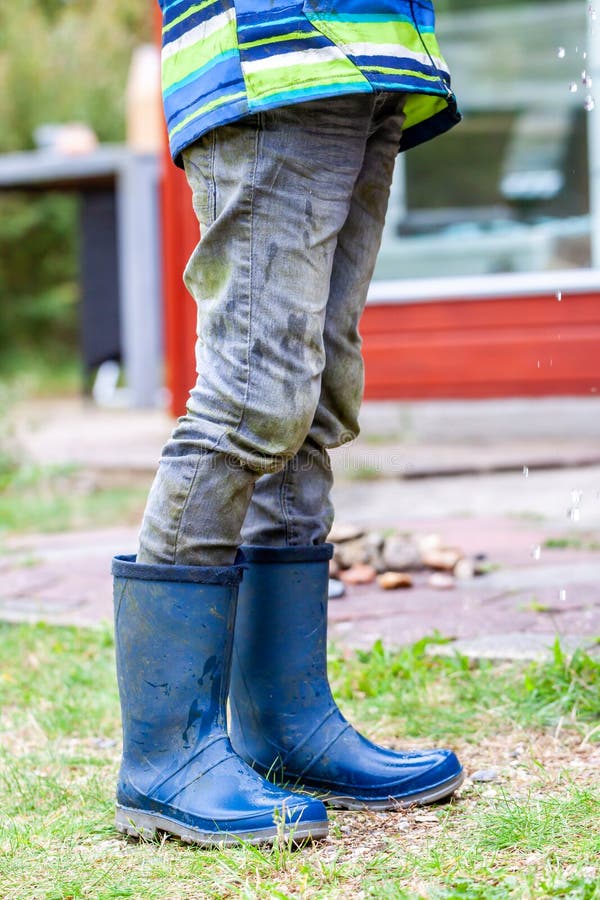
271	193
293	506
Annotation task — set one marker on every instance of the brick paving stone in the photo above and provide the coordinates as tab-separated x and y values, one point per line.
65	579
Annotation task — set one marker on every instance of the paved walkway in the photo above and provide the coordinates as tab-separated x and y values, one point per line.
400	440
494	507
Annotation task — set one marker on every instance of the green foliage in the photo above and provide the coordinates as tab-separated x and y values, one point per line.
59	62
38	271
9	463
66	61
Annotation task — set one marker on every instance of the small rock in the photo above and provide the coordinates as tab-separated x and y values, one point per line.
464	568
359	574
104	743
375	540
491	793
485	775
389	581
344	532
441	581
426	819
443	558
336	589
374	543
427	542
351	553
401	553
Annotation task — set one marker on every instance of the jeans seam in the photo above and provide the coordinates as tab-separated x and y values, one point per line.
285	507
213	182
250	287
184	507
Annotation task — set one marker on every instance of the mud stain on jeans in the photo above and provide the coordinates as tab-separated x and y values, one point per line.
293	343
308	214
272	251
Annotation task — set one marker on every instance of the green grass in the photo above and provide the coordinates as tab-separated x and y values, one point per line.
46	371
363	473
453	698
573	542
53	499
531	834
36	498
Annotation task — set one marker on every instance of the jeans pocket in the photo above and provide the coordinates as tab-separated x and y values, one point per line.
199	165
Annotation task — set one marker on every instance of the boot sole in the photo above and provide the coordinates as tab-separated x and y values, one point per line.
340	801
145	825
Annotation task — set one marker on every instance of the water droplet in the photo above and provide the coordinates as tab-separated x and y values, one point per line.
576	497
536	551
539	365
586	79
562	595
561	52
589	103
573	87
526	471
574	513
592	13
594	390
584	55
559	296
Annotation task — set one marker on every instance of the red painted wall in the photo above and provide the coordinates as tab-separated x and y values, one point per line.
506	347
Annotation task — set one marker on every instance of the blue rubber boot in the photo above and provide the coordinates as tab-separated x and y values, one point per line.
179	773
284	719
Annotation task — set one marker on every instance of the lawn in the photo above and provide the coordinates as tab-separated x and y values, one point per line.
52	498
526	825
66	498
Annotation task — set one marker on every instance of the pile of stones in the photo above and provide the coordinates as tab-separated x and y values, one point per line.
392	560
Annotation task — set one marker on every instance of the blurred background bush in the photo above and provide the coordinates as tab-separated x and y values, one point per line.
60	61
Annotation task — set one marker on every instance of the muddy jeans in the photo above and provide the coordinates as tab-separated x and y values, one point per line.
291	205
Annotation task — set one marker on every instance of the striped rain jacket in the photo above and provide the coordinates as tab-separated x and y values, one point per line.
224	59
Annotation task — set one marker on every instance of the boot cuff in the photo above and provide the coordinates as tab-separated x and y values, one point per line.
308	553
127	567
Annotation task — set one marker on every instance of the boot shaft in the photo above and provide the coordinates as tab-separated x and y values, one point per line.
279	669
286	591
173	634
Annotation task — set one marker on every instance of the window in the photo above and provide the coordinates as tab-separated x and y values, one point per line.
508	189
